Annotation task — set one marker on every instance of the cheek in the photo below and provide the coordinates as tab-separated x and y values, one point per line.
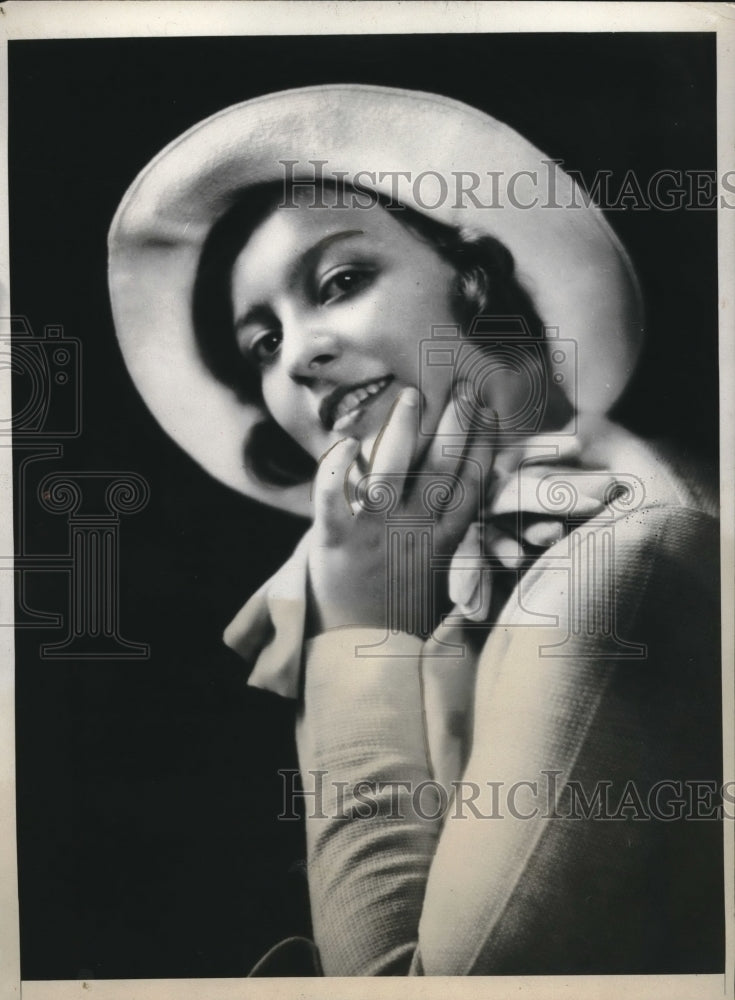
429	326
423	305
282	405
292	414
414	317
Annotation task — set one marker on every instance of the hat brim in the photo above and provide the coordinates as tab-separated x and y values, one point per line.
566	255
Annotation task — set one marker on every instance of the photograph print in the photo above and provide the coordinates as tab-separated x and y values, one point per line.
365	457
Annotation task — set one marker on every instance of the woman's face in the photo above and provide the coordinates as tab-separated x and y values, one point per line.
330	305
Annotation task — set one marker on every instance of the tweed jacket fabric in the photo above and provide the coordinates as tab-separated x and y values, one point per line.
531	885
572	839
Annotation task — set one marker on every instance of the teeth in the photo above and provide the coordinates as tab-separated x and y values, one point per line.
354	397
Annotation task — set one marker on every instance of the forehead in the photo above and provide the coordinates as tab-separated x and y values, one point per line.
280	241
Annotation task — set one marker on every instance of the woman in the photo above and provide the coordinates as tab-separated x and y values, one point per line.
395	339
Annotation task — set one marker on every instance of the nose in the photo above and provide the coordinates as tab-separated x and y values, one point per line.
307	349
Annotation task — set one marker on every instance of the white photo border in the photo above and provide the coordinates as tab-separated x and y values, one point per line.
170	18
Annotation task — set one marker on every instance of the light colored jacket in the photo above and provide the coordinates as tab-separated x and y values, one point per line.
568	841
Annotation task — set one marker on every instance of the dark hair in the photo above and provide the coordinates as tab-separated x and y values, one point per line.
485	284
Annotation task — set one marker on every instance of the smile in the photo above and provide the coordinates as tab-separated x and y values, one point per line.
344	406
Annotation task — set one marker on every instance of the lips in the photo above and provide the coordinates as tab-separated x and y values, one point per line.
345	404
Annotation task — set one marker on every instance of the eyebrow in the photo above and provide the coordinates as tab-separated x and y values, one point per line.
305	258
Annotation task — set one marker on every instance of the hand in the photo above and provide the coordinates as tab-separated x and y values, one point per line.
542	488
603	462
353	578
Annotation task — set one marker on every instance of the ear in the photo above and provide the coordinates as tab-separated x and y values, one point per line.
473	287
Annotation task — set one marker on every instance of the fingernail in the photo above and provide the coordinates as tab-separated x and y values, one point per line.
410	397
348	442
350	446
542	534
463	586
588	505
508	551
482	607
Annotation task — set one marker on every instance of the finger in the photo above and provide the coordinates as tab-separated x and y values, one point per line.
465	569
593	442
332	509
600	487
463	458
543	534
469	587
514	493
542	489
507	550
542	449
394	449
448	443
476	463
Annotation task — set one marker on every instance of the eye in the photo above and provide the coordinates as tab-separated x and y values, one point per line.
263	347
344	282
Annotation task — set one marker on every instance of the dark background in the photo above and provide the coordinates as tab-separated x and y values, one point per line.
148	792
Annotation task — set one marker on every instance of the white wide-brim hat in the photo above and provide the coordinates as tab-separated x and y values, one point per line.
567	257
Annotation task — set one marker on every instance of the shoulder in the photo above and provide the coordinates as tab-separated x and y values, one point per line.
606	675
633	598
656	553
